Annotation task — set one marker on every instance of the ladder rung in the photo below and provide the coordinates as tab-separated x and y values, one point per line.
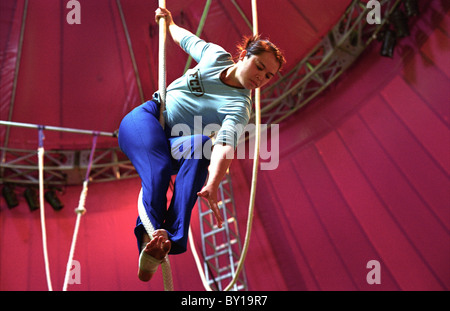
217	248
215	255
214	231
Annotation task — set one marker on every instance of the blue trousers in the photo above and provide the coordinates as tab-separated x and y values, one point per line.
156	156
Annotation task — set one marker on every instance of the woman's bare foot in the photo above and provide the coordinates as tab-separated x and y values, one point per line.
157	248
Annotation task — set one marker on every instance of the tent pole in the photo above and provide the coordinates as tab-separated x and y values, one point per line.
16	74
130	48
199	30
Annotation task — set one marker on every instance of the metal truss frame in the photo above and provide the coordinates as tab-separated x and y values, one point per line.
64	167
325	63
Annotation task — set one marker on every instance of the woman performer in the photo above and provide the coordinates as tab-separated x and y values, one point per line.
216	91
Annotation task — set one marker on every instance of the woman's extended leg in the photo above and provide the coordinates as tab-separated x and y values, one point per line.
192	165
143	140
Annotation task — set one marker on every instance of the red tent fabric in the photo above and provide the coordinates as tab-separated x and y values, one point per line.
82	75
363	173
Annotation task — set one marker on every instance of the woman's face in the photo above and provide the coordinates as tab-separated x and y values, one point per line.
257	70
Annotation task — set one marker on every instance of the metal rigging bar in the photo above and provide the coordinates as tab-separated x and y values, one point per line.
63	167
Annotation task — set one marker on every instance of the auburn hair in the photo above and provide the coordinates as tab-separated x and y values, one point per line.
254	45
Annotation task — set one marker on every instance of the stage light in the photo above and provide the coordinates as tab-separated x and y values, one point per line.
400	22
411	7
389	42
31	198
53	200
10	196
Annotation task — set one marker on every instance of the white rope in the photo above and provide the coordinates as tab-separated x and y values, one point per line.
197	261
42	211
80	210
167	275
165	266
255	163
253	185
162	64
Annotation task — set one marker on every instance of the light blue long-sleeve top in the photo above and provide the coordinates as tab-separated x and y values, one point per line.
200	92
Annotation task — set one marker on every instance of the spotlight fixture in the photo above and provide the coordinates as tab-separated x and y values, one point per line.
389	42
53	200
411	7
400	22
10	196
31	198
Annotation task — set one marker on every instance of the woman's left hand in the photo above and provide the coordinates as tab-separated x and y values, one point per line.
209	192
163	13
